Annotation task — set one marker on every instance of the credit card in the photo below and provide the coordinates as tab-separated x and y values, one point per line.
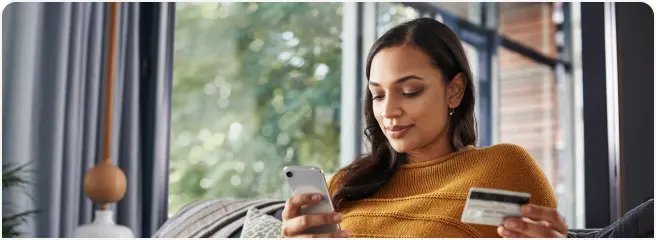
491	206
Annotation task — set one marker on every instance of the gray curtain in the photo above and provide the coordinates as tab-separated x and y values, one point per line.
53	85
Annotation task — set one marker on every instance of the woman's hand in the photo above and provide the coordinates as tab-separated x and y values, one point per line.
538	221
294	225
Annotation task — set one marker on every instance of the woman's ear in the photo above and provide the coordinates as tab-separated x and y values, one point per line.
456	90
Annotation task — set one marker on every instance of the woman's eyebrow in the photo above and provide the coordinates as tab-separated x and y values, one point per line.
398	81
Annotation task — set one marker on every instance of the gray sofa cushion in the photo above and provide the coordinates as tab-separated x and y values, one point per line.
213	218
276	214
637	223
260	225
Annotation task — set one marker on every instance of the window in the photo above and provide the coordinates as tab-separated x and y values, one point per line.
389	15
256	86
527	113
535	103
472	56
529	24
470	11
530	116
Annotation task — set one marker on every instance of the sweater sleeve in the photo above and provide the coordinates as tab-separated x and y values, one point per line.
525	175
512	168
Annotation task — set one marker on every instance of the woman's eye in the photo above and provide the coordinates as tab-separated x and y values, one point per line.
378	98
412	94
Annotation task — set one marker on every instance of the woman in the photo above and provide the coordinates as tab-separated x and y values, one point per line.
419	112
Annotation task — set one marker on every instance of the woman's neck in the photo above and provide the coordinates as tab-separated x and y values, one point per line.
434	150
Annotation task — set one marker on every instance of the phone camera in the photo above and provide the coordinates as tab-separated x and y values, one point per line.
289	174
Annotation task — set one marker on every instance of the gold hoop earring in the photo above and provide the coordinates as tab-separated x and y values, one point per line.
452	111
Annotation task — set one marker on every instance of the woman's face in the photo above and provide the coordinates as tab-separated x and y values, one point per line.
411	100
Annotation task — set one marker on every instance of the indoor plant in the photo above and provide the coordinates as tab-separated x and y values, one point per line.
14	178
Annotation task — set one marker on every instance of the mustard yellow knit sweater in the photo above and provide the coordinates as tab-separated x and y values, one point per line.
426	199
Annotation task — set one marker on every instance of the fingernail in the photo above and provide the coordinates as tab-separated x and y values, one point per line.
316	197
343	234
337	217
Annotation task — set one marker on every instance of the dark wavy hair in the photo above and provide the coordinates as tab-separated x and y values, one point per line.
368	174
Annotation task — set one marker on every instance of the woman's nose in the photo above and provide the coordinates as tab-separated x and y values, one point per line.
391	109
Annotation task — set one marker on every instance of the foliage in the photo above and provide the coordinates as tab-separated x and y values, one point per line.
256	87
13	178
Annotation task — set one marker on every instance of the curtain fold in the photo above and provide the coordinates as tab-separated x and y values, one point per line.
53	80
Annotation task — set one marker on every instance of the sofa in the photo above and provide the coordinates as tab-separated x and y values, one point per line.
225	218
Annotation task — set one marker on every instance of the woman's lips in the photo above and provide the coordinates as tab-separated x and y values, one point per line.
397	131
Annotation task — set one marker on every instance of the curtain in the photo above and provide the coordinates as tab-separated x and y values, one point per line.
53	85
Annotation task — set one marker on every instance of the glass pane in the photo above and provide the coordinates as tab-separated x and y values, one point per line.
527	106
389	15
529	117
472	56
256	87
530	24
467	11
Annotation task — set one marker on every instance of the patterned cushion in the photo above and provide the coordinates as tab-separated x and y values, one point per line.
260	225
214	218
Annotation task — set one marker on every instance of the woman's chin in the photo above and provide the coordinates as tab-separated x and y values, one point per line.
401	146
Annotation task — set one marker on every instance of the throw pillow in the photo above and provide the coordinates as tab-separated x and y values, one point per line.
260	225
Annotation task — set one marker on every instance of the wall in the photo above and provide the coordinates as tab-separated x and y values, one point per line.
635	40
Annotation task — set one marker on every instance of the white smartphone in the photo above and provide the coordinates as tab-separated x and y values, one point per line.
301	180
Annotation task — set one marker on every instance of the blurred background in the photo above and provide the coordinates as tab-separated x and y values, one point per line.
251	87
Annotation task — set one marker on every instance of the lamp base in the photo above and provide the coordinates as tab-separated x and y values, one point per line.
103	226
